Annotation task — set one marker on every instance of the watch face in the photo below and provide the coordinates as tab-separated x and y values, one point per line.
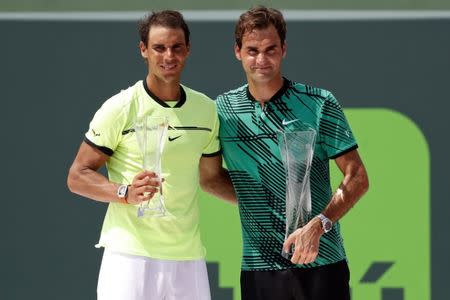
122	191
327	226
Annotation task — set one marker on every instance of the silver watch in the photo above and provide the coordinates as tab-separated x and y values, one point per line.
122	191
327	225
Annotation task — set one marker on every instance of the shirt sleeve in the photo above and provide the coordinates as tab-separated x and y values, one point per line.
335	134
104	130
212	147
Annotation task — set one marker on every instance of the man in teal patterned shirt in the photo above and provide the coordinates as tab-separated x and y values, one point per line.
250	118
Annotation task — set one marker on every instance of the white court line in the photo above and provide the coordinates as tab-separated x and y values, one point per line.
232	15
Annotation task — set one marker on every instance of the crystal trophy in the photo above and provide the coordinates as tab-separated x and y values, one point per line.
151	134
297	149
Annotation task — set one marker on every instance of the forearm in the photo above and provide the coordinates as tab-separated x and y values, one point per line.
351	189
91	184
220	186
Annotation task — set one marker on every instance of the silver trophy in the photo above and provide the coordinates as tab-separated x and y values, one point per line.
151	134
297	149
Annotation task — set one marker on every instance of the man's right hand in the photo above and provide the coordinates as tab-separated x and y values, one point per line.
143	187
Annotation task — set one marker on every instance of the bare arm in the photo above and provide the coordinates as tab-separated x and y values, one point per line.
351	189
215	180
84	180
354	185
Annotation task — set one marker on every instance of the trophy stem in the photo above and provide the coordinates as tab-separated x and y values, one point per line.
151	134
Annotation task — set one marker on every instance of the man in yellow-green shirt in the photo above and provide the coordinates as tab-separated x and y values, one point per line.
153	258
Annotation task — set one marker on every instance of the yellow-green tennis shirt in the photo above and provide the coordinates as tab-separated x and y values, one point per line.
193	133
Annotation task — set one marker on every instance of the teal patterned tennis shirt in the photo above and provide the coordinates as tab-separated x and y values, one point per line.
248	134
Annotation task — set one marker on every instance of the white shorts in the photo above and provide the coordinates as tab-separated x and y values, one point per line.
130	277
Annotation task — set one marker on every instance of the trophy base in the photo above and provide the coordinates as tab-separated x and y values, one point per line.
288	255
154	213
152	208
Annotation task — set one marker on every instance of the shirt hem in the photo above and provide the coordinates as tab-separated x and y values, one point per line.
354	147
281	268
144	254
212	154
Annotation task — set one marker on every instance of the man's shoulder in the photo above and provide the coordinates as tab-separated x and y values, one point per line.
118	106
234	93
125	96
309	90
238	90
319	96
194	95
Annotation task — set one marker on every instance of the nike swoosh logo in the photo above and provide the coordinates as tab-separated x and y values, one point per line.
284	122
95	133
171	139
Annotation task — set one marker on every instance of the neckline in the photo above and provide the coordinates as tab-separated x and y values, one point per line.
277	95
163	103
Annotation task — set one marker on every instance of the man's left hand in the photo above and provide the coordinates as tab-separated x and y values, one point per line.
306	242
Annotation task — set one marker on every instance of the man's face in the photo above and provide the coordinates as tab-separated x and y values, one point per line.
261	54
165	53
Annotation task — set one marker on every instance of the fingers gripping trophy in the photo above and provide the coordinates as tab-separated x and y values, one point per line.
297	149
151	134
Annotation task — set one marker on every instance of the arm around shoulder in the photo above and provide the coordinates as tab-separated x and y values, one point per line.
214	179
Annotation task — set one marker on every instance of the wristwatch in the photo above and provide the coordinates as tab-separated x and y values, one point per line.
327	225
122	191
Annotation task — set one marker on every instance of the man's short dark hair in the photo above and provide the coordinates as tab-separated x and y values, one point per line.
260	17
165	18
